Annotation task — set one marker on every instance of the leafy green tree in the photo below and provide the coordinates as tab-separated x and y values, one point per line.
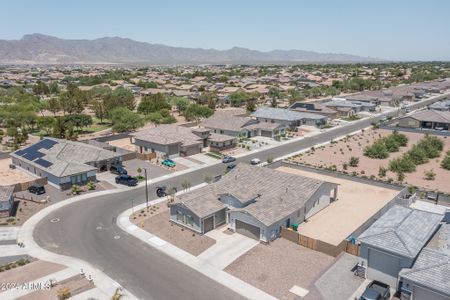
195	112
153	103
125	120
54	105
238	98
120	97
40	88
53	88
182	104
446	161
46	123
251	105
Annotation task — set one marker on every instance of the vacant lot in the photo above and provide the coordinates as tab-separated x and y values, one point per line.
339	153
156	221
277	267
356	203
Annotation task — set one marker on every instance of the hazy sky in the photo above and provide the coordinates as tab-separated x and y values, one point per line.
389	29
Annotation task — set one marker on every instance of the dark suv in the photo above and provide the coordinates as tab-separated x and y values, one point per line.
118	170
161	191
37	189
127	180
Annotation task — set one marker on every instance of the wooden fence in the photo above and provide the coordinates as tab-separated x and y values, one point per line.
22	186
318	245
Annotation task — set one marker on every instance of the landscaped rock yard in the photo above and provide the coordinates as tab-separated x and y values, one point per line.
348	156
156	221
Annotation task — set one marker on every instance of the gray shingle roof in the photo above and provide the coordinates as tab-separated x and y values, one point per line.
402	230
284	114
347	103
227	122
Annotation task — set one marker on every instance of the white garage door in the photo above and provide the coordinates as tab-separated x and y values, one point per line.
383	267
422	294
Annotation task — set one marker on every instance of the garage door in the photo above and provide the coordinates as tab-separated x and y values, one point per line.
266	133
208	224
383	267
247	230
422	294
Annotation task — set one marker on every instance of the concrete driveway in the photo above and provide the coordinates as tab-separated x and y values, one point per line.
228	247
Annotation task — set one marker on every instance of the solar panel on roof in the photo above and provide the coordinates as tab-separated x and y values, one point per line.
43	162
20	152
47	144
32	155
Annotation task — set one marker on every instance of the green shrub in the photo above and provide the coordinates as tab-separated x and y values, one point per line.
377	150
353	162
382	171
402	164
446	161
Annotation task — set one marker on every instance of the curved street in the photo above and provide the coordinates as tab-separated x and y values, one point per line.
87	230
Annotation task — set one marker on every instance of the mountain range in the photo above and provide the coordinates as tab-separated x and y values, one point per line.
43	49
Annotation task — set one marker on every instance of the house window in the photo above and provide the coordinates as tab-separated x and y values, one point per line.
179	216
189	220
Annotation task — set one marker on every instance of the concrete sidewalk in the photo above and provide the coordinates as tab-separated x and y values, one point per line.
9	233
203	266
12	250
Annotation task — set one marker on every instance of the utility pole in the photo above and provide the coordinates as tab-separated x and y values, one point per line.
146	187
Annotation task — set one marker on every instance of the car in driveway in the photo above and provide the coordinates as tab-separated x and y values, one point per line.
118	170
126	180
255	161
376	290
37	189
168	163
228	159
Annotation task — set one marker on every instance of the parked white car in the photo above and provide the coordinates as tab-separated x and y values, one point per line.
255	161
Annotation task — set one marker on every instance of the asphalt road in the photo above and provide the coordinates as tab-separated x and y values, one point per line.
88	231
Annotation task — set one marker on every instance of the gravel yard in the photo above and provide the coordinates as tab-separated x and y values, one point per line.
29	272
338	153
275	268
158	224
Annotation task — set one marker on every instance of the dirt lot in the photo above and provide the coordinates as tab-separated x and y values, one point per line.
331	154
12	176
277	267
356	203
123	143
29	272
157	222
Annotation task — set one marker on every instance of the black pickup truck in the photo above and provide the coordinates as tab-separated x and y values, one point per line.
376	290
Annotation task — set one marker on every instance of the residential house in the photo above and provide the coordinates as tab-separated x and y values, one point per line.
443	105
233	125
426	119
6	200
288	118
64	162
170	140
314	108
344	106
429	278
395	240
254	201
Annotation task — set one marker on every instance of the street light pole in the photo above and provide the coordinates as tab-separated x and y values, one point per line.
146	187
132	206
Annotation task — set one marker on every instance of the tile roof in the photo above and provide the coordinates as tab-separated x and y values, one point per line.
275	194
63	157
431	116
167	134
227	122
284	114
402	230
431	270
6	193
